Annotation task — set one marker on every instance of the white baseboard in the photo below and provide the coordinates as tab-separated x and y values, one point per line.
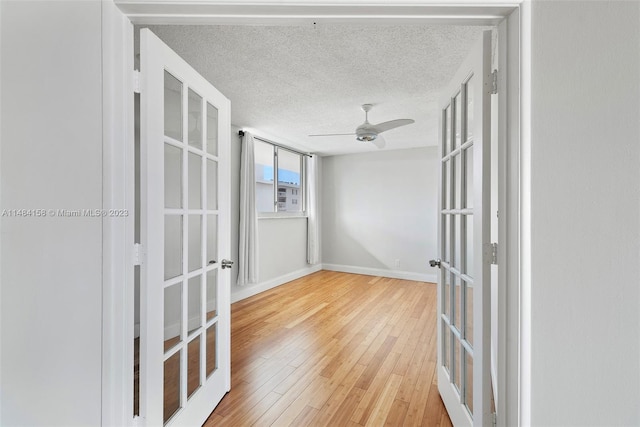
251	290
393	274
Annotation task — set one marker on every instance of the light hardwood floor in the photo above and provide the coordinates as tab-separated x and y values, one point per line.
334	349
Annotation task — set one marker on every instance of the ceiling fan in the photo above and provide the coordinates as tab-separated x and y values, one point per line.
369	132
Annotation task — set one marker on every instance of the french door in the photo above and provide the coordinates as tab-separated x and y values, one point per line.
185	300
463	239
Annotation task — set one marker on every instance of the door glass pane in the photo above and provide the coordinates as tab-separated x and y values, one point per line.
289	182
172	176
212	239
195	181
456	362
469	313
446	179
172	246
469	87
172	315
172	107
193	366
212	360
457	241
212	184
468	398
171	386
447	238
264	176
469	177
446	301
457	296
447	130
195	119
212	294
458	120
457	181
194	304
446	346
212	130
468	268
195	242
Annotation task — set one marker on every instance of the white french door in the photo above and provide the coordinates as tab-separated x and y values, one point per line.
185	301
463	239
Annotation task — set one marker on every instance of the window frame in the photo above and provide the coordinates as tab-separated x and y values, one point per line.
303	180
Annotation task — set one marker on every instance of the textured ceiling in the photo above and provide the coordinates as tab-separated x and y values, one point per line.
288	82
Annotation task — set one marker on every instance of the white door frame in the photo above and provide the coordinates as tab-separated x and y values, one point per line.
513	21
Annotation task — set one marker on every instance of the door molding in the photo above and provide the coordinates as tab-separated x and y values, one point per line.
117	234
514	188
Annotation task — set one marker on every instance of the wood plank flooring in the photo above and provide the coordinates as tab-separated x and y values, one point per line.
334	349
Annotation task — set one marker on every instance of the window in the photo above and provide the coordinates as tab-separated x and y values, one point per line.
281	166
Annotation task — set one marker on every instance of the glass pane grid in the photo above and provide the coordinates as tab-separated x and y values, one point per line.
456	362
195	120
447	132
457	121
192	149
469	88
457	303
463	113
446	231
446	292
457	181
457	243
446	179
191	162
212	129
193	365
172	377
211	349
468	314
173	106
446	350
468	382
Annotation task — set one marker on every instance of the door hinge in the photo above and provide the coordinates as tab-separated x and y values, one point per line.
494	419
491	253
494	82
136	81
137	254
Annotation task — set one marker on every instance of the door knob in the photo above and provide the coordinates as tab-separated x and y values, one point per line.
434	263
226	264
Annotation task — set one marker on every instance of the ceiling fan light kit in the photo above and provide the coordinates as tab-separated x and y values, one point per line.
368	132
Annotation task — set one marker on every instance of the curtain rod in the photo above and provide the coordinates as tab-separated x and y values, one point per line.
241	133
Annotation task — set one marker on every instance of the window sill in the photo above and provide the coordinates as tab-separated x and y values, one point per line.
281	215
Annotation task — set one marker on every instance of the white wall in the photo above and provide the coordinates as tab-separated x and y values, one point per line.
283	246
585	228
380	207
51	307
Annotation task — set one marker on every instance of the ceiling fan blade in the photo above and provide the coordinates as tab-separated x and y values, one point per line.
333	134
392	124
379	142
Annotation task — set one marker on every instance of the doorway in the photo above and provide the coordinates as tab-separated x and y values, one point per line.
150	18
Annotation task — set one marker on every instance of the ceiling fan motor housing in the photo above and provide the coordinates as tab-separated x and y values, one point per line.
366	133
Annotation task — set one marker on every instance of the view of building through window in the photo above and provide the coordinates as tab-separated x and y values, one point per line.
288	197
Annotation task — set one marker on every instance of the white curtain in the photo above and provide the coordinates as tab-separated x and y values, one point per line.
313	243
248	245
